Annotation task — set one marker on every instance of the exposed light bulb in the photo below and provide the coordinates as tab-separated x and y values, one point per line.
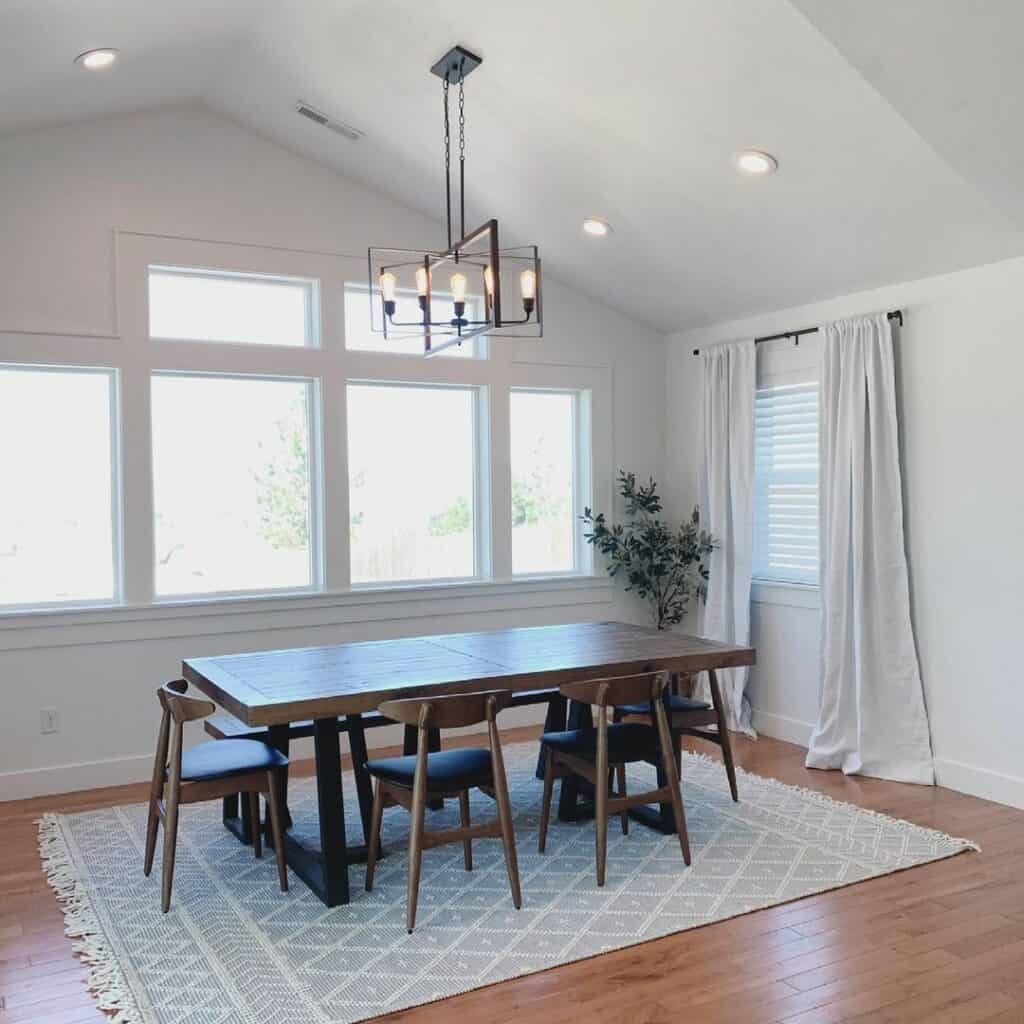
388	283
458	283
96	60
489	281
422	280
528	285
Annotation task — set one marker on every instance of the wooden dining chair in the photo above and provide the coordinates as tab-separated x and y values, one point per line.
594	753
690	717
411	780
208	771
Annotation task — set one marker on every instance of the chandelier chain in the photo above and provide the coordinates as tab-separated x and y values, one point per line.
462	150
447	165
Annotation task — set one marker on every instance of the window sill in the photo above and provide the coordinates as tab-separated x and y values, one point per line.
210	616
791	595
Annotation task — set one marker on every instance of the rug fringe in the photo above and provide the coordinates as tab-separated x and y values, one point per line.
824	800
107	982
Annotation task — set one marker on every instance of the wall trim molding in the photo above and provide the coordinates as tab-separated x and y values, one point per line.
225	616
782	727
980	782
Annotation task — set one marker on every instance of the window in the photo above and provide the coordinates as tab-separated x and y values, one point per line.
543	433
360	337
786	483
58	463
258	309
412	482
232	484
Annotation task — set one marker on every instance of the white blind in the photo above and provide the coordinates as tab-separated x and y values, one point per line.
786	483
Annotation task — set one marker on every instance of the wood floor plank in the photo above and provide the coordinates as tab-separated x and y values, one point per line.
943	942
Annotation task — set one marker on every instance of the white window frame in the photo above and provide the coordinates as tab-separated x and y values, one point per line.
116	491
132	356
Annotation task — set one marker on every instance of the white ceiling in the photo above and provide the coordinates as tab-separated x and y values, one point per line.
896	124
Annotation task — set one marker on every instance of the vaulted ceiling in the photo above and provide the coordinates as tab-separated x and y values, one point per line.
896	124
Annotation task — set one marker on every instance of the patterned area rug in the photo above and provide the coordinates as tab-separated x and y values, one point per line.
234	948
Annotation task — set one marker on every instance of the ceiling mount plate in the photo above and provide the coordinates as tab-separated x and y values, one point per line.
458	57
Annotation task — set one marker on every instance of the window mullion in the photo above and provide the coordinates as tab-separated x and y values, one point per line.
500	475
137	484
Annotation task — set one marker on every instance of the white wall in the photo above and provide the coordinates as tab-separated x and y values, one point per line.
186	173
960	365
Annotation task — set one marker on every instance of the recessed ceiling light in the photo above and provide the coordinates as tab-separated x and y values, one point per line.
593	226
96	60
755	162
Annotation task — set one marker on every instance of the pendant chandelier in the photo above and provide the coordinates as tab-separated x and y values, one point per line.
448	295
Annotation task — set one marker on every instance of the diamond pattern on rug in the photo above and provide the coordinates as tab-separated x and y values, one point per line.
233	947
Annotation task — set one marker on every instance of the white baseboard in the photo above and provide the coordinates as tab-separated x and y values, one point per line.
120	771
782	727
980	782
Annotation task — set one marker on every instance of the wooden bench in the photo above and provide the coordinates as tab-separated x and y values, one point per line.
226	727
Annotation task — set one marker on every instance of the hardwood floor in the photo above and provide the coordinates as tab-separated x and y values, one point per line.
942	943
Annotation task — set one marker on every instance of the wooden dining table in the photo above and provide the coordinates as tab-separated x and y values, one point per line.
335	684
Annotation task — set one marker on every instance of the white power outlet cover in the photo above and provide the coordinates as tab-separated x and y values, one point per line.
48	721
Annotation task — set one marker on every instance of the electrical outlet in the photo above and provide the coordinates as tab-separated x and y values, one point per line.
48	720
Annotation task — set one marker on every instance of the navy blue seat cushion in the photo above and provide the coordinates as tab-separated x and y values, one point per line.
678	703
217	758
446	769
627	741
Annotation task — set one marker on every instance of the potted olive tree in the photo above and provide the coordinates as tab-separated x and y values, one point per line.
664	565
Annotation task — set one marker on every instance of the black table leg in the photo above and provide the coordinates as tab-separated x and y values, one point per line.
573	786
333	874
554	721
364	787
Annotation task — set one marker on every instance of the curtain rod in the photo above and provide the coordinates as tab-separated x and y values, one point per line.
896	314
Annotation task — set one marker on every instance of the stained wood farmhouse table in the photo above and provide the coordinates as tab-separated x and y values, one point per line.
276	688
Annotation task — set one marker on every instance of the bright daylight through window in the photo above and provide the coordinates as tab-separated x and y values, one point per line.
543	433
57	521
786	484
196	305
411	473
232	484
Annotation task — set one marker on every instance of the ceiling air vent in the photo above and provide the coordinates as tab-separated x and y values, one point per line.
320	118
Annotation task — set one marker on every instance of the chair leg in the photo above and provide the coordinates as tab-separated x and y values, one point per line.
152	825
620	775
276	829
508	836
545	803
255	824
467	844
676	798
419	801
723	733
170	844
373	839
601	798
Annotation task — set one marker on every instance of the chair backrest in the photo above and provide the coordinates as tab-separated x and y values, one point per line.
647	686
449	712
181	708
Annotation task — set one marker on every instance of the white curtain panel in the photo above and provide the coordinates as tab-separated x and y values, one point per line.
872	719
727	509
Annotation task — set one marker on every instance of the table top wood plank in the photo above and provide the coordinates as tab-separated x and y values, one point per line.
274	687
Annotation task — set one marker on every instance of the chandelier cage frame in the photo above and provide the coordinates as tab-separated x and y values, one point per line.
476	257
